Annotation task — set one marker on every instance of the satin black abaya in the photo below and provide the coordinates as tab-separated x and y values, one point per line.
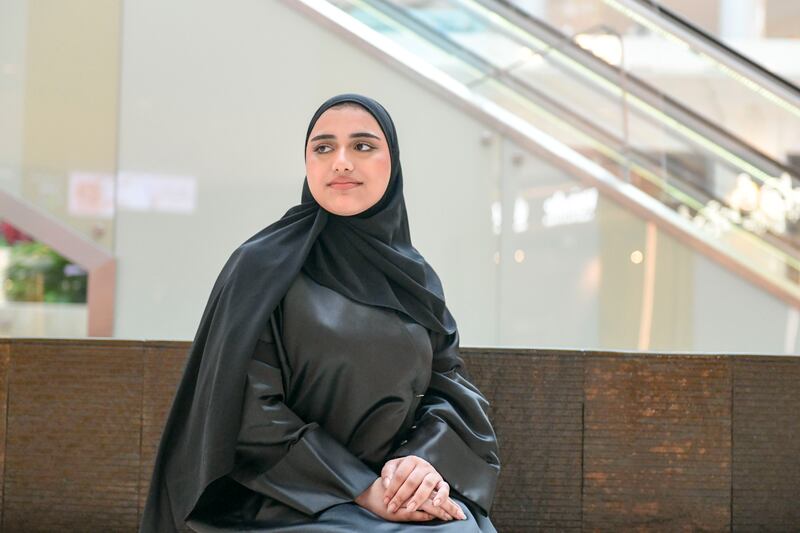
374	385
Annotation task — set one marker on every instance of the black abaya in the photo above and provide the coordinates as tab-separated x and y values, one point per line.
335	388
367	257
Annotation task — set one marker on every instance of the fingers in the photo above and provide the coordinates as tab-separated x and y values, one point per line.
442	498
424	490
415	516
438	512
449	510
404	515
442	492
415	491
388	471
409	487
402	469
453	508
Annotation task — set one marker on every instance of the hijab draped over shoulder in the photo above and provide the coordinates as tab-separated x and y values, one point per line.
367	257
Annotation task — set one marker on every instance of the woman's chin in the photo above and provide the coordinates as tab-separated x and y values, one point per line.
346	209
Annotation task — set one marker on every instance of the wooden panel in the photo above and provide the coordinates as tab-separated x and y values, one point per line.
5	357
657	453
766	444
536	403
72	451
163	368
602	442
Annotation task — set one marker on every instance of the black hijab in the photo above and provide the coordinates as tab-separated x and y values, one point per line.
367	257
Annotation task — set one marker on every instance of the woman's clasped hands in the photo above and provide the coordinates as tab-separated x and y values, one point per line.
410	489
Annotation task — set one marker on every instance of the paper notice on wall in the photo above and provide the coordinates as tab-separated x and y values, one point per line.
90	195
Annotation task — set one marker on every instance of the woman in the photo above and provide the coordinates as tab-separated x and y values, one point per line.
324	390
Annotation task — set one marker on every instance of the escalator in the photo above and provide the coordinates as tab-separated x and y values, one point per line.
742	79
585	100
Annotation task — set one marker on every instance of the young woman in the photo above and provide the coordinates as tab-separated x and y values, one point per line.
324	389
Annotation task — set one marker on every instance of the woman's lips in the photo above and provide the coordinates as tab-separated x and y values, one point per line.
343	185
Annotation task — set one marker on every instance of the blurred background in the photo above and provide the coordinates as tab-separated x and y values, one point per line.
590	174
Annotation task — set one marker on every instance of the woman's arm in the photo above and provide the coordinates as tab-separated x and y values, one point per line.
452	430
285	458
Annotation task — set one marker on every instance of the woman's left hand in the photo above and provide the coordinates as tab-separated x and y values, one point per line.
409	482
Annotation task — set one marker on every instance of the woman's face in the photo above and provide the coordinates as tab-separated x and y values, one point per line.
347	161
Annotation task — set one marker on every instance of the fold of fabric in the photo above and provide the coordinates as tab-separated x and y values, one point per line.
452	430
281	456
322	411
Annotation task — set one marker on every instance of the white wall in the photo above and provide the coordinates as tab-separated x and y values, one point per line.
13	14
223	92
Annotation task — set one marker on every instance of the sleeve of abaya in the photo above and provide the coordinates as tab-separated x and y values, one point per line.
283	457
452	430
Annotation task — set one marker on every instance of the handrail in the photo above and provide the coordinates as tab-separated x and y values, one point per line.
774	88
707	37
641	89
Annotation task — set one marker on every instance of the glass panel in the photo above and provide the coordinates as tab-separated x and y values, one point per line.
767	32
579	271
741	104
703	174
59	77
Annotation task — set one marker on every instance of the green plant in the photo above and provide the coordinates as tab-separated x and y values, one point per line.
36	273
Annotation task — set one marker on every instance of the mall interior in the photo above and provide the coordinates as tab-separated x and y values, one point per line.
582	174
617	178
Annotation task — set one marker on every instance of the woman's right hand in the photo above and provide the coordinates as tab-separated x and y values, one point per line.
372	499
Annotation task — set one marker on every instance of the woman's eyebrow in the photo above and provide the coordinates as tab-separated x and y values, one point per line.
352	135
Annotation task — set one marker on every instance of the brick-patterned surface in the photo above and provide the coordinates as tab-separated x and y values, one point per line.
72	447
163	368
590	441
5	354
766	444
657	453
536	411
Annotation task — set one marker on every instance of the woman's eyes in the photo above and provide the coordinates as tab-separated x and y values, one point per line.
319	149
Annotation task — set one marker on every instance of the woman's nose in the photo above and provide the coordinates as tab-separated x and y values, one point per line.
342	163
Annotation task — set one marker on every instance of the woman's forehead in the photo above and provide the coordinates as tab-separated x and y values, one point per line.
346	120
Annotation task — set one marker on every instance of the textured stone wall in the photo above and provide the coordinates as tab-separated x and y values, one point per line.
589	441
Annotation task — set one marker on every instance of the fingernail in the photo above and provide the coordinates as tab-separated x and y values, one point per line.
385	482
392	507
412	506
437	501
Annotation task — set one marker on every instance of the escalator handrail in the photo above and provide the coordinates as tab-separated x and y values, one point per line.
733	143
731	58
